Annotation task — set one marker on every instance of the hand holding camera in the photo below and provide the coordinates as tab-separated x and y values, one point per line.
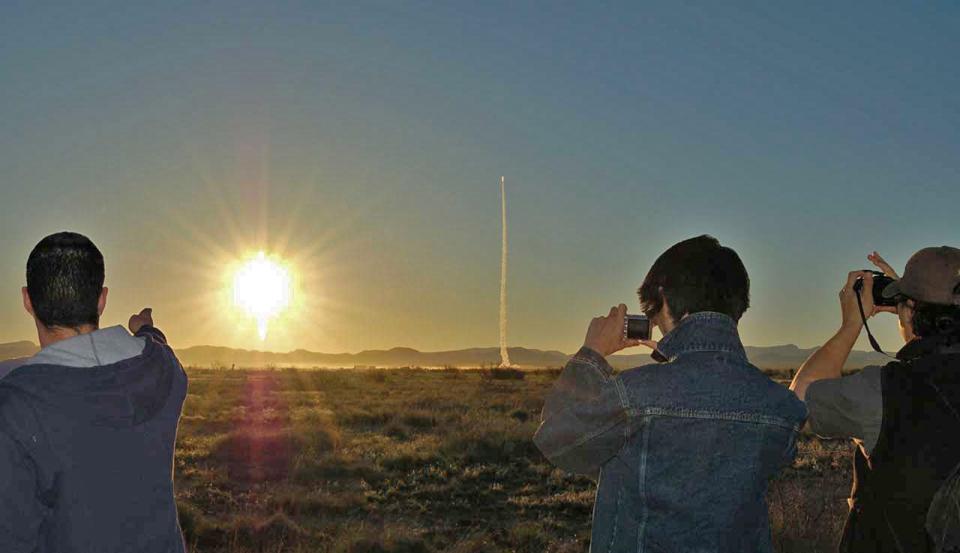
880	281
856	296
617	331
862	297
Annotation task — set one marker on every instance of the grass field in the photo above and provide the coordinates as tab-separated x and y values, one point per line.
414	461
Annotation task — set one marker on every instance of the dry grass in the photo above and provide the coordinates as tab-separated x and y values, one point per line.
413	461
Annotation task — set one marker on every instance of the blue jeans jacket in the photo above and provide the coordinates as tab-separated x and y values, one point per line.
684	449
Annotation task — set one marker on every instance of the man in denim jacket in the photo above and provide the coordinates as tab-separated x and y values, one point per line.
684	449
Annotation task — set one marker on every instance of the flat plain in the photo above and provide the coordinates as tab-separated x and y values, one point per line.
415	461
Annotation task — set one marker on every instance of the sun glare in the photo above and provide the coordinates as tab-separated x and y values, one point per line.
261	287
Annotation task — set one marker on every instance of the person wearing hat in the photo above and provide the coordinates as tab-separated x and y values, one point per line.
904	416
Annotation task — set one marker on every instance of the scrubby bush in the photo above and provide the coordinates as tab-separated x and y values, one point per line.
502	373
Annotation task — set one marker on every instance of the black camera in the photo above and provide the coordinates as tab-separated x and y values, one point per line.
880	281
636	327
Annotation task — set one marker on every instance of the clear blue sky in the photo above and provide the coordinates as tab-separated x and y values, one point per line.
366	141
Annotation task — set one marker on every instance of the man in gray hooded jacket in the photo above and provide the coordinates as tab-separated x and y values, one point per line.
88	424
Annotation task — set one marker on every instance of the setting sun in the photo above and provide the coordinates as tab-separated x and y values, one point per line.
261	287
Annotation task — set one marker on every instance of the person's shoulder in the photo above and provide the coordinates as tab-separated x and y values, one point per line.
869	377
9	365
751	377
774	394
858	389
647	370
872	375
682	367
18	415
664	379
157	343
872	370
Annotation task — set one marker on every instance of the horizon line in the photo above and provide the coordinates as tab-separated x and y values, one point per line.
393	348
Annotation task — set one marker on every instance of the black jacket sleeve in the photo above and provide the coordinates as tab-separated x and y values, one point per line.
150	331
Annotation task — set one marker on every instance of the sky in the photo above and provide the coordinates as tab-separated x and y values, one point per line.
363	143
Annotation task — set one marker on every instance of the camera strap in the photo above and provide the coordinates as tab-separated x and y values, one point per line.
863	316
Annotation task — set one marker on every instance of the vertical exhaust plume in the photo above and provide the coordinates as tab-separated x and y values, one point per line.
504	355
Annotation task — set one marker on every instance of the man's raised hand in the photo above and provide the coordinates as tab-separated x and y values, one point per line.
849	308
605	334
882	264
141	319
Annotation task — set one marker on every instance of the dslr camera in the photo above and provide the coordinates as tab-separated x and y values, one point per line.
880	281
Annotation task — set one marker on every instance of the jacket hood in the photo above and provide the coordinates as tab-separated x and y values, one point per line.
122	394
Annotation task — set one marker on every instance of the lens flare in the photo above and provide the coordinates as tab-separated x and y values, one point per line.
261	287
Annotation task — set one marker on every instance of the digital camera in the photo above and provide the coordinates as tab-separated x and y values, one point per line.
880	281
636	327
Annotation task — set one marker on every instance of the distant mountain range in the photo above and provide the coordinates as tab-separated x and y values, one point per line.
17	349
770	357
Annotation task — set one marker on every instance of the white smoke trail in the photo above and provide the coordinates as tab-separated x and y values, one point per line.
504	355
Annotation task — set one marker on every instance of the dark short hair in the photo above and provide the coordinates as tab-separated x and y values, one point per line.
696	275
64	280
933	319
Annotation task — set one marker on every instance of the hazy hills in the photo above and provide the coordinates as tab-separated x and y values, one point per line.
17	349
771	357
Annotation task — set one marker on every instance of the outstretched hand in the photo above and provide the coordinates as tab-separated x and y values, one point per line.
605	334
141	319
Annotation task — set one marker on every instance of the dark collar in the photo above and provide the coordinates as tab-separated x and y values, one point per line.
922	347
703	331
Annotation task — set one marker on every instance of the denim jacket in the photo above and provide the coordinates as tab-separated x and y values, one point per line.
684	449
